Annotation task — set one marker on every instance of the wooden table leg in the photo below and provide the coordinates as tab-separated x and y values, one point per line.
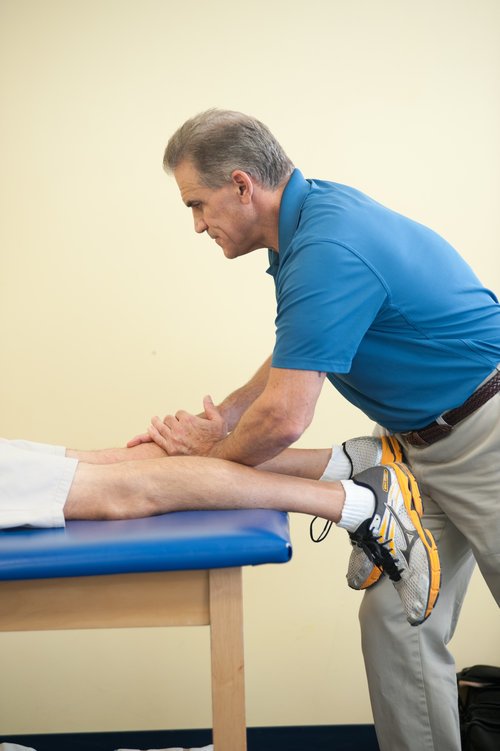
228	680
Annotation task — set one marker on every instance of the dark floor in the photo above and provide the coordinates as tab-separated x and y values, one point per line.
317	738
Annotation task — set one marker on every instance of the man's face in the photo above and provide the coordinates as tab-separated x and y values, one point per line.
227	214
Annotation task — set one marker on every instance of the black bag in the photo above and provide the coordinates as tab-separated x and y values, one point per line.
479	708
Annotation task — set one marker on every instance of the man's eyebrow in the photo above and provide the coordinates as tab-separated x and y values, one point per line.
190	203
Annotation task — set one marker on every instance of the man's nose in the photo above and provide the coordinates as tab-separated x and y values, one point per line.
200	225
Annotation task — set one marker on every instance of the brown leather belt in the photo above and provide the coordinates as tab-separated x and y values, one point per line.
443	426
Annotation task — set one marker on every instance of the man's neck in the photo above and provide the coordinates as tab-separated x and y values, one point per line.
270	211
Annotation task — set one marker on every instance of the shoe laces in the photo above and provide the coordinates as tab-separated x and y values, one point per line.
324	532
378	551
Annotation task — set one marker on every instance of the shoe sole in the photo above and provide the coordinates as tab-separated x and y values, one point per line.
391	450
414	509
373	578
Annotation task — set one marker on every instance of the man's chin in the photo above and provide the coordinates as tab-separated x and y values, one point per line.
229	252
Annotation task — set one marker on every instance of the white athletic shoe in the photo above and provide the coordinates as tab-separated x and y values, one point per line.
363	453
395	541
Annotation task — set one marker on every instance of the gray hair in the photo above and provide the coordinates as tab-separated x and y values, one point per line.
217	142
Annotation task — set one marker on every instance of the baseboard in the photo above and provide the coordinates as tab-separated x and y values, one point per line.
300	738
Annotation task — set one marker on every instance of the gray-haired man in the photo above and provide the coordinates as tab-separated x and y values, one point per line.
358	304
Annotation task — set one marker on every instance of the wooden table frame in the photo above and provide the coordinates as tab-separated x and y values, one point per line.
171	598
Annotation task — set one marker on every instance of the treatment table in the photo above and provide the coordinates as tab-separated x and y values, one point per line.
182	568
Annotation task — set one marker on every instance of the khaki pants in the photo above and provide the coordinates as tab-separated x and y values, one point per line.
411	673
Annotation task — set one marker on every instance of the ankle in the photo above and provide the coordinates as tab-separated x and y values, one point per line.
359	505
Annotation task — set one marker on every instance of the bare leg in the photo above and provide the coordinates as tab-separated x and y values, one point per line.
111	456
150	487
309	463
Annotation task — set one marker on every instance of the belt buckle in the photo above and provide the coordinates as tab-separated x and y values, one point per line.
414	438
431	434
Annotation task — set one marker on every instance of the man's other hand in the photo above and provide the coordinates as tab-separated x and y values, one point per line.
187	434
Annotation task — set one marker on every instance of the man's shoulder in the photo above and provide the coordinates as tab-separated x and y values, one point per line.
337	213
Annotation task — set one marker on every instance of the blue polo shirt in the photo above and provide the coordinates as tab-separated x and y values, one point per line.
385	306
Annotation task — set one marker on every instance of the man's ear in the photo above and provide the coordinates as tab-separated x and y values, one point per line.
243	185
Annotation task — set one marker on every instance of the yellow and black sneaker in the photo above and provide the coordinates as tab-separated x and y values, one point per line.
363	453
370	451
394	540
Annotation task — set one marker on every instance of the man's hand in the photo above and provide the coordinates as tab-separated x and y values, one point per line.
233	405
189	434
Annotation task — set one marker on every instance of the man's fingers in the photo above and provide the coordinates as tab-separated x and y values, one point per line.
156	436
210	408
138	439
163	426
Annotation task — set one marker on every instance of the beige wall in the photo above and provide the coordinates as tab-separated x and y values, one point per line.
112	310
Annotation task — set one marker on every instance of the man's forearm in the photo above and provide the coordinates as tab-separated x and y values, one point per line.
261	434
276	419
234	405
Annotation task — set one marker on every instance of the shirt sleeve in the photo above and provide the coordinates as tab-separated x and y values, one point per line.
327	298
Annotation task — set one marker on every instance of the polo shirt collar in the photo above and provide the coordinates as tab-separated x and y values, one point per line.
294	195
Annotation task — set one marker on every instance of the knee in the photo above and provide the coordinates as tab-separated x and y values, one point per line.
383	624
380	607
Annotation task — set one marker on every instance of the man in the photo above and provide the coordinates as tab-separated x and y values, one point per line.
399	324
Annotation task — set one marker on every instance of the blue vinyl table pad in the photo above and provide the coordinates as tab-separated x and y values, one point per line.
177	541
